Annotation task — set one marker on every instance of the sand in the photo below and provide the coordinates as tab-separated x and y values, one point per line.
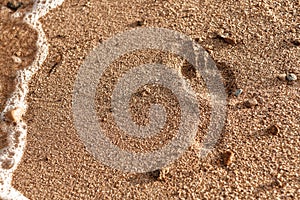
259	46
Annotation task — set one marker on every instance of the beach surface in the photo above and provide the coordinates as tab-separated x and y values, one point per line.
252	43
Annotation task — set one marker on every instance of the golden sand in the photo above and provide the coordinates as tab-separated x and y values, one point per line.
255	45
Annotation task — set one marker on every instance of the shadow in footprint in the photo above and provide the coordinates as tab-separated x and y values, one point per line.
229	78
145	178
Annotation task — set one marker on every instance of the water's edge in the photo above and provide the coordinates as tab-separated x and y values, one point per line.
14	151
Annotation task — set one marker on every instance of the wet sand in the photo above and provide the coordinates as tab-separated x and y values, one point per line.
250	42
17	51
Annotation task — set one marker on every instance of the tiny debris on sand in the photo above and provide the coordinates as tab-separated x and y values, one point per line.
155	174
138	23
226	37
296	42
291	77
273	129
228	157
16	59
287	77
14	5
251	103
15	115
159	174
238	92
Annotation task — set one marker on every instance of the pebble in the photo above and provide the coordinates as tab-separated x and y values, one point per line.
155	174
159	174
251	103
14	5
15	115
230	41
291	77
296	42
226	38
273	129
228	157
140	23
16	59
238	92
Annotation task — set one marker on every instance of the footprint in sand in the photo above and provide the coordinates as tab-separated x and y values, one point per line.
23	49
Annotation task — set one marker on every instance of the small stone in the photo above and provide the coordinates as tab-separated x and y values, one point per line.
228	157
251	103
226	38
291	77
296	42
230	41
238	92
155	174
14	5
8	163
15	115
140	23
273	129
278	183
197	39
16	59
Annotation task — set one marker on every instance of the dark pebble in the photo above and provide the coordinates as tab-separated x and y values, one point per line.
291	77
273	130
155	174
14	5
296	42
238	92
